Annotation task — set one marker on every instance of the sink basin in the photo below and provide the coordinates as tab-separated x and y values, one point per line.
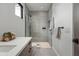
6	48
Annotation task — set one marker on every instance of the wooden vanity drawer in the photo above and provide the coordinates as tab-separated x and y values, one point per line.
27	50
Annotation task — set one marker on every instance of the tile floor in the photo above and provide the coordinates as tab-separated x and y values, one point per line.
42	49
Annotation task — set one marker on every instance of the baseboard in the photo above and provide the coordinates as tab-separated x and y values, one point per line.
55	51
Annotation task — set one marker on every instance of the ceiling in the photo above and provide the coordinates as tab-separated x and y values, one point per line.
38	6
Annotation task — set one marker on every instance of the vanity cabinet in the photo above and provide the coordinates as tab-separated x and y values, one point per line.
27	51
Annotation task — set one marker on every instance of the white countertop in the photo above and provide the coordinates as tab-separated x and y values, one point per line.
20	43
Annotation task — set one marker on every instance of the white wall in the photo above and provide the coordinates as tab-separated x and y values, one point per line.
39	20
62	13
9	21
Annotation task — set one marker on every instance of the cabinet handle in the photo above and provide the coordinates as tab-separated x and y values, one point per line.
29	50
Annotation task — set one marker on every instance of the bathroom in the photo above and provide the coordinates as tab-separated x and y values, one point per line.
34	25
40	29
